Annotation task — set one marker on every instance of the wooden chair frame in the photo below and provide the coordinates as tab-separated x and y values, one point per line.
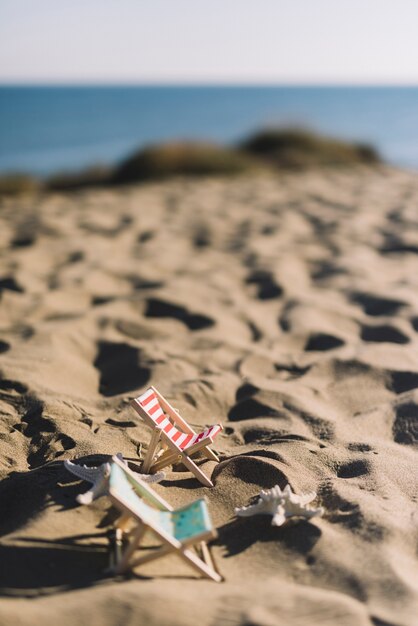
203	564
162	451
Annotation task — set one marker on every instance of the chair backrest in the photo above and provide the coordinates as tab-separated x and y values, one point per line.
176	526
143	489
193	520
121	490
149	403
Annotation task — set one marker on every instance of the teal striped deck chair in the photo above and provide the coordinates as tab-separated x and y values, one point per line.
184	531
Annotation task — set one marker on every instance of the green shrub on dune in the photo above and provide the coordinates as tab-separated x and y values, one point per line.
182	159
263	151
297	149
94	176
16	183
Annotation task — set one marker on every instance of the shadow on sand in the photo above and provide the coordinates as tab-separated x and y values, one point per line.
41	566
31	565
241	533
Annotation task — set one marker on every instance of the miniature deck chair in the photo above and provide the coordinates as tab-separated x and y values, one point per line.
173	434
178	530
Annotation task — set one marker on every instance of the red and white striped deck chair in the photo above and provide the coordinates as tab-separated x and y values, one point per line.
173	440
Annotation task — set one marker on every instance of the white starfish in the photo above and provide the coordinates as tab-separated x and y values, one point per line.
98	477
281	505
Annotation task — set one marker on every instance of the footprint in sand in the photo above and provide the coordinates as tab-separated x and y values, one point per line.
4	346
269	436
161	308
375	305
145	235
414	322
322	342
266	286
400	382
395	245
405	426
251	470
383	334
120	368
353	469
8	283
248	407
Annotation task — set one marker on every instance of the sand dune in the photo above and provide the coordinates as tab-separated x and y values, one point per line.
287	309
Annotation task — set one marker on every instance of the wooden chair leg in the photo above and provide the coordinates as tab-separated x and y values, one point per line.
200	566
207	557
165	459
210	454
123	522
187	555
197	471
155	439
134	543
118	545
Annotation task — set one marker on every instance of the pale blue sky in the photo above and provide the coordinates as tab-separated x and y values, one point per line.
305	41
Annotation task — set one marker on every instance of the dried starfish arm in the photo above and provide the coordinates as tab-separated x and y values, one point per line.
96	491
281	505
307	498
90	474
247	511
279	518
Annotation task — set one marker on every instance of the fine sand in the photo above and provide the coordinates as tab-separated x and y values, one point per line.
287	309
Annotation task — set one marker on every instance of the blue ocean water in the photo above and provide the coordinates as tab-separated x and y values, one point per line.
49	129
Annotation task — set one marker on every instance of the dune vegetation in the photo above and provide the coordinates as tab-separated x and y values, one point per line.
271	149
300	149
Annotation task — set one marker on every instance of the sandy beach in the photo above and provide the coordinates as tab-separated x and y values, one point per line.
283	306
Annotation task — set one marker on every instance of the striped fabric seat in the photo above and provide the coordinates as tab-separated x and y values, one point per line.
149	402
